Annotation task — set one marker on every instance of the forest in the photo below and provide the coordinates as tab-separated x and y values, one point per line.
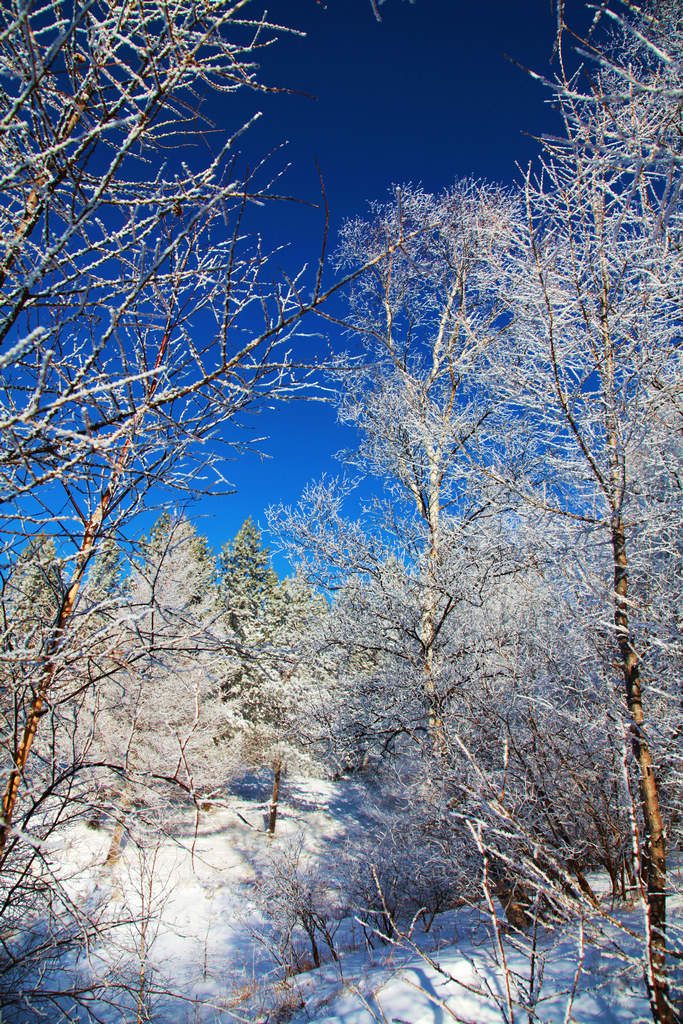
434	771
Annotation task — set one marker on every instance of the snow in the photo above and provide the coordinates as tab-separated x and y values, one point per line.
464	981
188	905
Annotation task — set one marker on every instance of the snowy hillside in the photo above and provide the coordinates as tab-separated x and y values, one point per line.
202	944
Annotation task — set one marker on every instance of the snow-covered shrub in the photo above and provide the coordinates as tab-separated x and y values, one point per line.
302	908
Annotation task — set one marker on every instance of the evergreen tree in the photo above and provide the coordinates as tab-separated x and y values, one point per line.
34	591
105	580
248	580
186	558
268	677
158	713
31	599
158	535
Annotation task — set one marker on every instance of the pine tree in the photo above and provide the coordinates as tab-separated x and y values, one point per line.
186	557
31	599
106	573
247	585
158	535
34	591
159	713
248	579
268	678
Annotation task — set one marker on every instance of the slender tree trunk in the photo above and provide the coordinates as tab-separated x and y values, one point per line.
437	732
47	666
117	835
275	796
655	836
48	669
314	946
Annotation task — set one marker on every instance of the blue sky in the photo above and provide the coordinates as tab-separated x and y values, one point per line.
425	96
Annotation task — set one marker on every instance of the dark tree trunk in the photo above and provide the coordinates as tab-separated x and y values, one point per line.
275	796
654	864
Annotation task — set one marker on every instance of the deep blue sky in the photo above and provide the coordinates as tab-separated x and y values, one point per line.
425	96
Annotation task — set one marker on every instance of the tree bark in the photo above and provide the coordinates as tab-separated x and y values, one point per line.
47	668
654	866
274	799
117	835
437	732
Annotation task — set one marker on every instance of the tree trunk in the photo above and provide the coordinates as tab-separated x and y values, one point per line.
654	866
47	666
272	816
47	671
428	631
437	733
119	828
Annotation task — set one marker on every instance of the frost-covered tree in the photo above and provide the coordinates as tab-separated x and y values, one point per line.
247	578
157	717
197	581
32	593
295	681
568	402
270	676
105	579
127	287
588	385
423	317
139	311
247	584
171	637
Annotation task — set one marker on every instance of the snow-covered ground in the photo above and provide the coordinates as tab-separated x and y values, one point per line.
200	944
